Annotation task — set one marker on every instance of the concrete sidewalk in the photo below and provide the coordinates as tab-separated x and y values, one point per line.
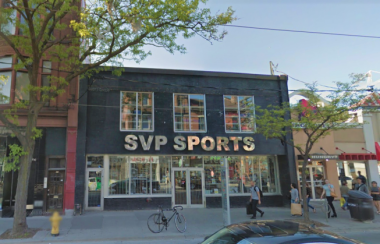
99	226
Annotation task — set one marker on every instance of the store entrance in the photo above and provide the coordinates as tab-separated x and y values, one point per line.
94	189
314	178
188	187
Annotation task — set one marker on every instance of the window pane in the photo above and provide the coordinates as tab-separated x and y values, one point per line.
22	82
268	174
142	110
140	174
231	102
161	175
235	184
9	28
246	173
192	161
5	87
212	175
185	120
6	62
118	175
21	30
181	100
46	67
95	162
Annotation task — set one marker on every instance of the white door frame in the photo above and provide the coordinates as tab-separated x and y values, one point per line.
188	194
101	190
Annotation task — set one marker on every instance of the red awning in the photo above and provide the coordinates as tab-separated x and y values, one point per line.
358	156
377	146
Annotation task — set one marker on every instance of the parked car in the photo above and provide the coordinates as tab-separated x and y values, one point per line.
274	232
138	185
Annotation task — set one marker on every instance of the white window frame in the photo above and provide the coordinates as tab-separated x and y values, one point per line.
224	108
188	101
121	106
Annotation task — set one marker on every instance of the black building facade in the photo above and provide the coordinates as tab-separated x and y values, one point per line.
157	137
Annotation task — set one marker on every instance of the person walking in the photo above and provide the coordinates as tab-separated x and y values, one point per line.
361	186
327	190
375	194
255	200
308	196
344	192
294	194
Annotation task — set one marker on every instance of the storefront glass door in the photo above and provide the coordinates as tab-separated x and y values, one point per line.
188	187
94	189
314	178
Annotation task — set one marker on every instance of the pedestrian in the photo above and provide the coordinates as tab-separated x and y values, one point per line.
255	200
308	196
361	186
362	177
375	193
344	192
294	195
328	190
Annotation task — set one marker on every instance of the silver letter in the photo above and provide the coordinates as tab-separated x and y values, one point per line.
249	145
204	145
131	142
236	142
180	141
222	141
160	141
144	144
192	141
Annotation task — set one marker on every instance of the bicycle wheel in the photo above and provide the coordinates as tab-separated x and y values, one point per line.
180	223
155	223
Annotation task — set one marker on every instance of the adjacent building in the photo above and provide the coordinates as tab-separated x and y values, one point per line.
157	137
52	179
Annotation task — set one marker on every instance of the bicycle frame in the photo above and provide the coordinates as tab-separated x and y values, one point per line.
163	215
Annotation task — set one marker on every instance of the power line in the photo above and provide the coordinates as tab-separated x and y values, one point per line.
302	31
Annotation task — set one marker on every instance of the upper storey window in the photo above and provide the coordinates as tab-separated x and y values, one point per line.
136	111
239	113
189	113
5	79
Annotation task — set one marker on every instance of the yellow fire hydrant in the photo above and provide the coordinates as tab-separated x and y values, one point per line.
55	221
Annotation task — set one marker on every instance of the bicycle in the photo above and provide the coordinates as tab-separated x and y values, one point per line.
156	222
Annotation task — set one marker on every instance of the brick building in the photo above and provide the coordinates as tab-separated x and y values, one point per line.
52	179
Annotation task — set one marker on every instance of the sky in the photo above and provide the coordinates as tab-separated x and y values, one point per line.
306	57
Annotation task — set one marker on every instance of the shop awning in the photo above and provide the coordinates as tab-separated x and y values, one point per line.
358	156
377	146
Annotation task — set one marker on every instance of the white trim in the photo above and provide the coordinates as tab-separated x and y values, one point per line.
121	107
188	101
253	110
137	196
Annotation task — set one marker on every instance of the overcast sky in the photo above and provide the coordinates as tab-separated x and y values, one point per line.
304	56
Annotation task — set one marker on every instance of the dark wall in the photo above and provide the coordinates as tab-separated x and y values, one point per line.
55	141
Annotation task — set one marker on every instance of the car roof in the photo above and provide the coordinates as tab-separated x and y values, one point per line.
278	231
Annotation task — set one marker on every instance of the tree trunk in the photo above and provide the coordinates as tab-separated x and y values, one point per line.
19	220
305	207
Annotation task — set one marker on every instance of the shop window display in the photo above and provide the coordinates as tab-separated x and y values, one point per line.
140	174
118	175
212	175
161	175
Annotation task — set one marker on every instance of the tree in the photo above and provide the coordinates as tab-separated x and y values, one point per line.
315	119
104	32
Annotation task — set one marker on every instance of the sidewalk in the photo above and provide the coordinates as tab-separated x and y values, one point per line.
98	226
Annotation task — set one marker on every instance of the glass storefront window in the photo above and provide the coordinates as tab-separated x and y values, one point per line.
118	175
234	166
212	175
140	174
268	174
161	175
192	161
349	171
